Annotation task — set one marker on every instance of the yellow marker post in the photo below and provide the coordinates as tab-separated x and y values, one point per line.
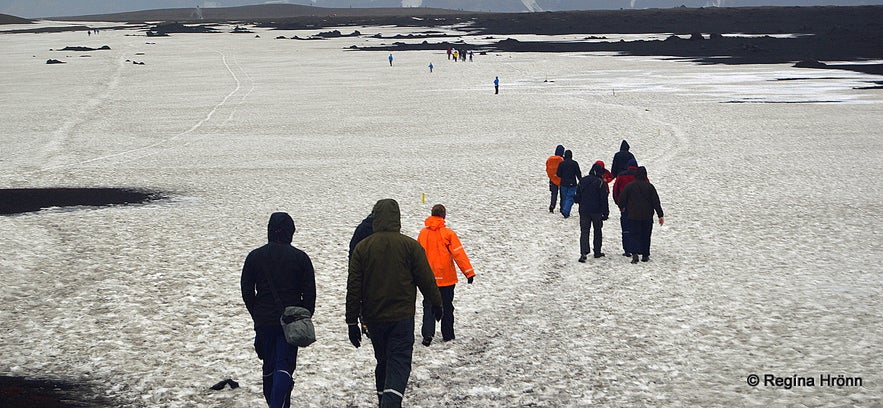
422	198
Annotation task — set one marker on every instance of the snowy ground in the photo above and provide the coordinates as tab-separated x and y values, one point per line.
769	262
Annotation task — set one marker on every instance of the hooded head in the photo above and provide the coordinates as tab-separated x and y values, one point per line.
559	151
600	163
624	146
597	170
641	173
280	228
387	216
632	163
568	154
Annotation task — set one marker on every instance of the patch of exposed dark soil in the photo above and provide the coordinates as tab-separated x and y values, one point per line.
17	201
19	392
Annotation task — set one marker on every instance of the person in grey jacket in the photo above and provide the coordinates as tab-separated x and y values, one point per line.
385	271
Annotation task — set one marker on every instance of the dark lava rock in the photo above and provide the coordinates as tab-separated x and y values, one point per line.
16	201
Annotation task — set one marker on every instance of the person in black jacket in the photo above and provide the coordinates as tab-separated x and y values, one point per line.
640	200
275	276
363	230
570	174
592	197
621	159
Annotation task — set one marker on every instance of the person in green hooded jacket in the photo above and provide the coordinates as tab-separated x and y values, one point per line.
385	271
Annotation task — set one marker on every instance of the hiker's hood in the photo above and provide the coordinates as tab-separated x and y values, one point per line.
434	222
280	228
387	216
624	146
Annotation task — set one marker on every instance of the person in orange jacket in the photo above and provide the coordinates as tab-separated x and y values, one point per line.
554	181
443	249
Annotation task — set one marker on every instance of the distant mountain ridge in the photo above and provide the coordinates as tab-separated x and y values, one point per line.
7	19
256	12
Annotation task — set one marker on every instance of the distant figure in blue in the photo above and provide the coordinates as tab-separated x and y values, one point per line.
390	59
570	175
430	67
496	85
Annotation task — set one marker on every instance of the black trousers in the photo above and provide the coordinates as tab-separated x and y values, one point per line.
447	321
586	223
553	189
639	235
393	346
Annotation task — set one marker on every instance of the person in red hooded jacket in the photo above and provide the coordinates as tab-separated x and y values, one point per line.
443	249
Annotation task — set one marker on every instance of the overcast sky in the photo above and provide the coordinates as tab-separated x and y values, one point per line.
49	8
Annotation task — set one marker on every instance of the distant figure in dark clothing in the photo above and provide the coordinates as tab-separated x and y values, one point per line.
552	172
496	85
640	200
430	67
570	175
390	59
275	276
592	197
621	159
625	177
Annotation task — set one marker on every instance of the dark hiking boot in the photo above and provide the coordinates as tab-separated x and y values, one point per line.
426	341
626	254
552	210
599	254
447	339
634	258
645	258
582	259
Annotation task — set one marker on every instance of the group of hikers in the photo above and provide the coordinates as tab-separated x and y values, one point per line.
386	269
633	194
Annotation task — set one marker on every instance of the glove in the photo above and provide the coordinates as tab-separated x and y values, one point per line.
355	335
470	279
604	217
437	312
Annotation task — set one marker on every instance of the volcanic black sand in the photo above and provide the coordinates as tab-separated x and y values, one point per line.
15	201
17	392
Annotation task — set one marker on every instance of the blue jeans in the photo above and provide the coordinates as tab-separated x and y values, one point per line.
393	347
567	194
280	359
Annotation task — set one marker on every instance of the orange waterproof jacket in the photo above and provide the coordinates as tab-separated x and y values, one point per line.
443	248
552	168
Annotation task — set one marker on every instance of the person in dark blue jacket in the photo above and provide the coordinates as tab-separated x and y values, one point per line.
570	174
592	197
363	230
275	276
621	159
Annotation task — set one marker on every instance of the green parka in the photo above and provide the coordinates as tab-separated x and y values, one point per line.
385	271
